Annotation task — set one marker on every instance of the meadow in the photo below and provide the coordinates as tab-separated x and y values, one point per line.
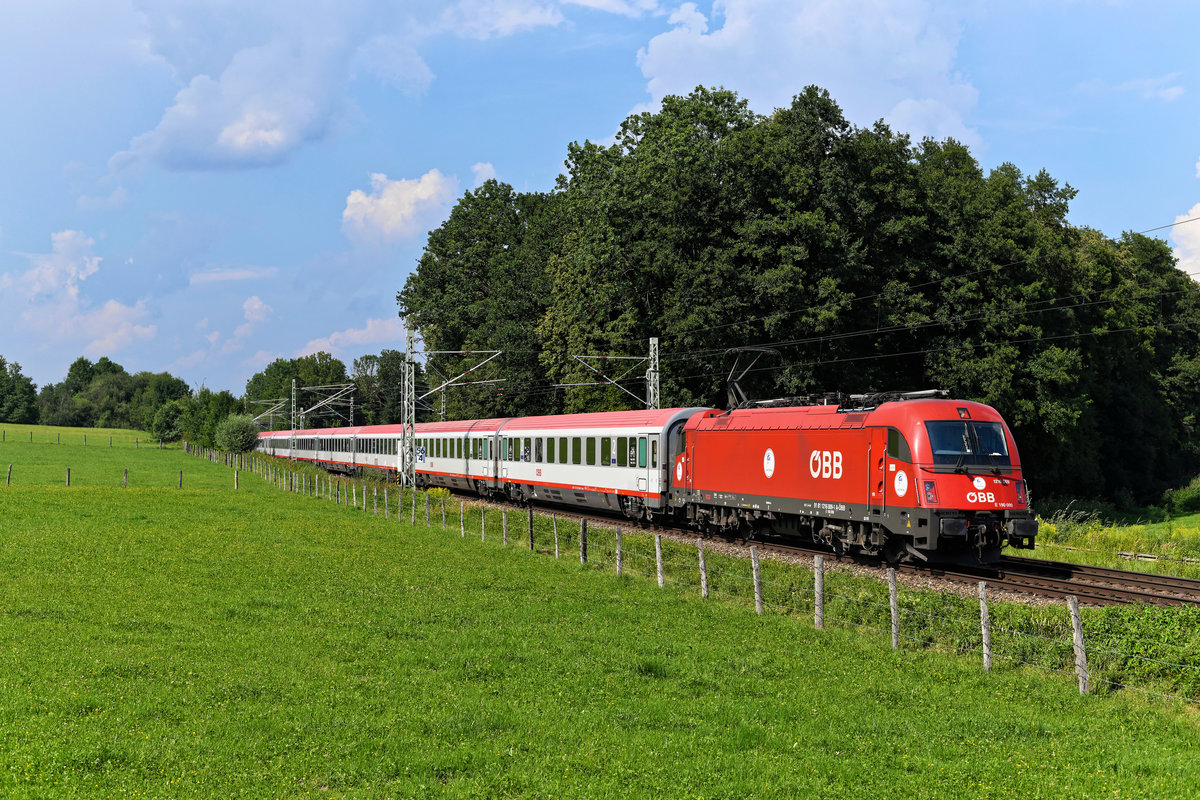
201	642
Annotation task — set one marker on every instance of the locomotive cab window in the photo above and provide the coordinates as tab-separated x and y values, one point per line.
960	444
898	446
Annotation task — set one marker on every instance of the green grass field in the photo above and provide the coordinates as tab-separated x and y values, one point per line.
201	643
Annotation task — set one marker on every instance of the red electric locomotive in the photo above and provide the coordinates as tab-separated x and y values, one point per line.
904	476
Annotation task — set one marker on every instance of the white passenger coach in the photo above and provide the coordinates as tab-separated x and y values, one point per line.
615	460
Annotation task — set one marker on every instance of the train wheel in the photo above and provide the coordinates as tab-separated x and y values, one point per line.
893	550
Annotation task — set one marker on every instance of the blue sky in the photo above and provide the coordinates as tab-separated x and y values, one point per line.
201	187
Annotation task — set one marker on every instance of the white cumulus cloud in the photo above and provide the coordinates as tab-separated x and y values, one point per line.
878	58
1186	236
377	332
258	80
397	209
60	271
256	310
55	306
483	171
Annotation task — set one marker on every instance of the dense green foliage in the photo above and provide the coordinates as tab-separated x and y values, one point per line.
237	433
275	383
18	395
182	643
104	395
870	262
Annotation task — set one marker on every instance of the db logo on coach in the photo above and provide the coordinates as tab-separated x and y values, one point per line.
825	464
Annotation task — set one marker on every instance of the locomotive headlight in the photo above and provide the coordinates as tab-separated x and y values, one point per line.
931	496
1021	492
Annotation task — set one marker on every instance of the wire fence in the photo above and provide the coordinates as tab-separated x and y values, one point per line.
1159	656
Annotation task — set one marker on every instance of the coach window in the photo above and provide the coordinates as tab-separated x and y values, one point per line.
591	451
605	451
653	452
537	449
622	452
576	450
641	451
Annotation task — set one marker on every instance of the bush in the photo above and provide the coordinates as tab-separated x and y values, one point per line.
237	433
166	425
1185	500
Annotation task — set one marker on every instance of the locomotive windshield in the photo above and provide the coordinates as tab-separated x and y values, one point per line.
962	444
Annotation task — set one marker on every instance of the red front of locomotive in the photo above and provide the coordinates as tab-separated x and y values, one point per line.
969	491
930	480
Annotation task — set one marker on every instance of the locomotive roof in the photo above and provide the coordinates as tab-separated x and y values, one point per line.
900	413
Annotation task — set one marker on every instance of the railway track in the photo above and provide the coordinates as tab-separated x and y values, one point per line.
1095	586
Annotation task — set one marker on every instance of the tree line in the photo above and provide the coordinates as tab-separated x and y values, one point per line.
867	261
102	394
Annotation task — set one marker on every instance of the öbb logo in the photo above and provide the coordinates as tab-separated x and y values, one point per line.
825	464
981	497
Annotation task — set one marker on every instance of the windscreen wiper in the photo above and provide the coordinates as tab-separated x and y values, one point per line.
960	465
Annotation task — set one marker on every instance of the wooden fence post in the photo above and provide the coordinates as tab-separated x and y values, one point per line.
985	624
9	481
658	559
758	601
583	541
620	559
819	592
894	602
68	476
180	479
235	480
531	529
1081	668
703	569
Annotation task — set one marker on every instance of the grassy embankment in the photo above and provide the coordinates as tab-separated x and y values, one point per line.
196	642
1089	539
